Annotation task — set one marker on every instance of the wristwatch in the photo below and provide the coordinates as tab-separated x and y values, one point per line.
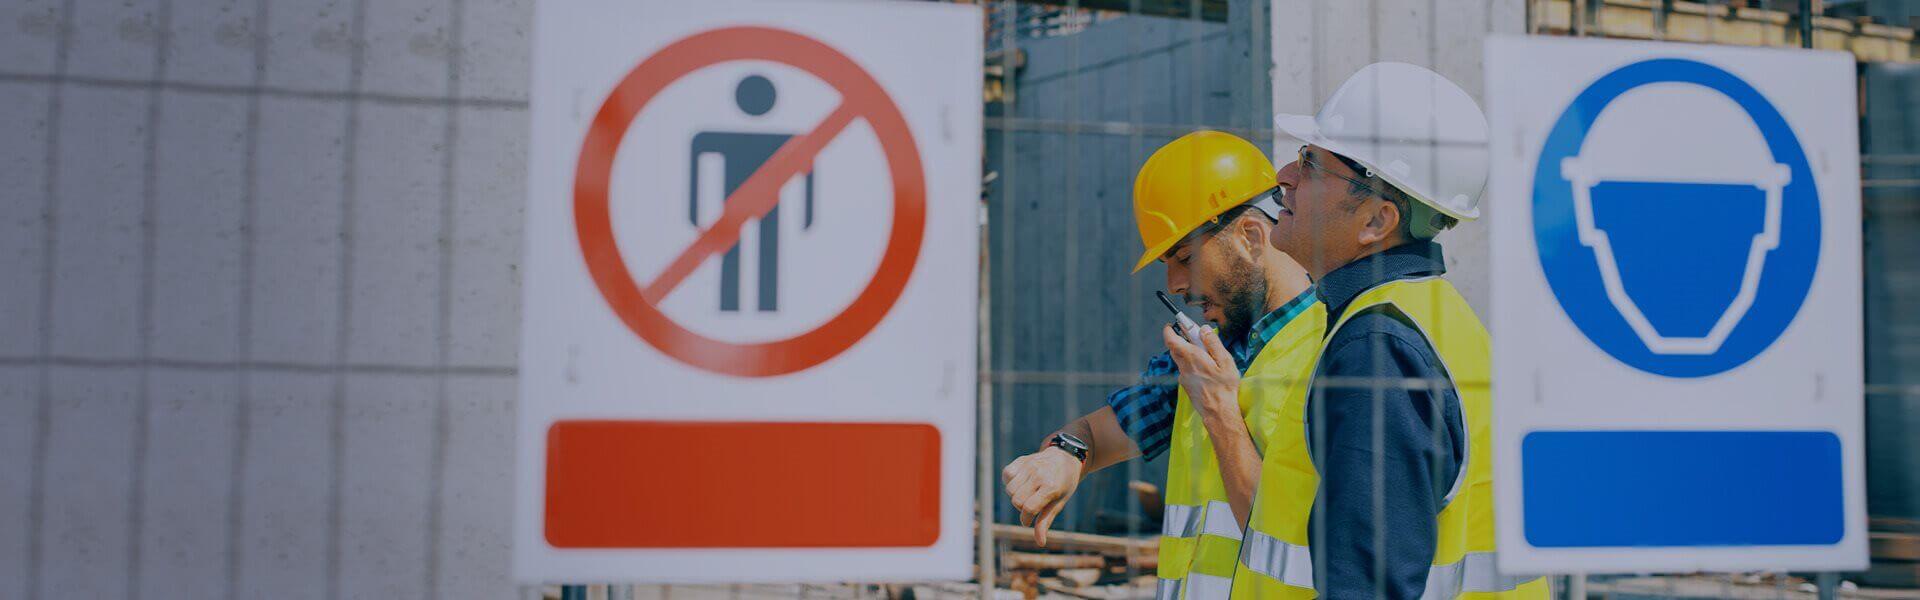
1072	445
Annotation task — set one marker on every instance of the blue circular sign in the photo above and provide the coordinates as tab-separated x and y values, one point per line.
1680	279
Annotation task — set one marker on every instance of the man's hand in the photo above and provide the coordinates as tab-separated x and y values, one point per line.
1040	484
1212	381
1208	373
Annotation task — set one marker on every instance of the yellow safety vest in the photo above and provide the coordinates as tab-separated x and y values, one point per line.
1200	538
1276	561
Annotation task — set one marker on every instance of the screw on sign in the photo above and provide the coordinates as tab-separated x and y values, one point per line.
639	305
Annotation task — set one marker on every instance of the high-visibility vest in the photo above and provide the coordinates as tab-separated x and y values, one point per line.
1276	562
1200	538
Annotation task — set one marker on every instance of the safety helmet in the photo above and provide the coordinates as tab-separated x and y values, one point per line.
1189	182
1409	126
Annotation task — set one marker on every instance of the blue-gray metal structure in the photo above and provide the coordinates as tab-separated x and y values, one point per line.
1089	100
1890	153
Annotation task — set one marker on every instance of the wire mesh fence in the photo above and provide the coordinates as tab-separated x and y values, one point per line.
260	333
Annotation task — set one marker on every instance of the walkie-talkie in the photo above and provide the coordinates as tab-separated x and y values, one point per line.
1181	321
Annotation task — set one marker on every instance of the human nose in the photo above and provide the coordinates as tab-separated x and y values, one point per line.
1288	176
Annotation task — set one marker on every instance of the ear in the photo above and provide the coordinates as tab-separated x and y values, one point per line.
1252	234
1381	225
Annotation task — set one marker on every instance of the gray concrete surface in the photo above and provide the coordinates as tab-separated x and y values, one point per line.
259	329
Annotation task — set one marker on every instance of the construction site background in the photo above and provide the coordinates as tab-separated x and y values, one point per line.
260	329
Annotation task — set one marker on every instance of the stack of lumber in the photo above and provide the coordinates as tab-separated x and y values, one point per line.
1895	546
1075	564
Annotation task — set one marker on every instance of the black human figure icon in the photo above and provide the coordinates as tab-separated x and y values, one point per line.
743	153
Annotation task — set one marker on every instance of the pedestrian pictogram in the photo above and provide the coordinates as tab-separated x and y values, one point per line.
738	154
749	335
754	198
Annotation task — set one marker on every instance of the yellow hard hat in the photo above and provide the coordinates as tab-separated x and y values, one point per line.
1189	182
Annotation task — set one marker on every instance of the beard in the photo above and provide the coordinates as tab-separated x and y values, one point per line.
1243	295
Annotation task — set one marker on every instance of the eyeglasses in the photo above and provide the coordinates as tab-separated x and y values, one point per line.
1307	161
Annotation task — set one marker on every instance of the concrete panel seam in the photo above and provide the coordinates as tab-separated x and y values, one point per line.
43	416
260	366
243	346
265	90
443	351
336	429
142	419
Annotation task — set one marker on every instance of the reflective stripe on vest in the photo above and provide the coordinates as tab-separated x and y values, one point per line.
1199	586
1187	520
1273	557
1180	520
1474	573
1293	564
1167	589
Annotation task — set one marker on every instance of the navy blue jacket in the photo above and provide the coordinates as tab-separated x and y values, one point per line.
1374	522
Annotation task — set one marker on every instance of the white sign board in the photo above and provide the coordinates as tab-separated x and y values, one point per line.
1676	307
748	346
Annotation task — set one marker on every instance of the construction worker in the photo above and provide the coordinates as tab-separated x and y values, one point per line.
1203	204
1378	480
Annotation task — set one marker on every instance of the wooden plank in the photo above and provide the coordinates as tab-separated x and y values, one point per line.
1893	525
1894	546
1052	562
1626	21
1022	537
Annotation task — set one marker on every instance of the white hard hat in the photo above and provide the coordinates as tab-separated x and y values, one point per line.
1412	128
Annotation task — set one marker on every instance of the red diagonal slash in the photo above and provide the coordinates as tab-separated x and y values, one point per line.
637	305
753	199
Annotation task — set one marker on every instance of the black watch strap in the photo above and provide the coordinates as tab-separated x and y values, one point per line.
1069	443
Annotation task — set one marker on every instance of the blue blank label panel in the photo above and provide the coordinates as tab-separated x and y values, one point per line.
1599	489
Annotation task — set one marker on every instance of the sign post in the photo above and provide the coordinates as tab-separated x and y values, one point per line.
748	342
1676	308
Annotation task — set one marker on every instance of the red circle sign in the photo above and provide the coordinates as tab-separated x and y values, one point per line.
861	98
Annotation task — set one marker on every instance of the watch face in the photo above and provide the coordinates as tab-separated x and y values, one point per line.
1070	440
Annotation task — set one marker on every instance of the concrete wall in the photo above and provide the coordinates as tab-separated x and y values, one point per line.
260	318
259	328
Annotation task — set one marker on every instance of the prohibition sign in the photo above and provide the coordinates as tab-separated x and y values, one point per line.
861	98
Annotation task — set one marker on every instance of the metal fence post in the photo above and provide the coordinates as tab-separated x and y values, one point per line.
1806	23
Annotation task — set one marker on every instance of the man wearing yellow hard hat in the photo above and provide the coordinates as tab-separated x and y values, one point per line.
1204	206
1378	480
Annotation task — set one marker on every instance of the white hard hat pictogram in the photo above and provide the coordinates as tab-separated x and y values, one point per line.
1712	168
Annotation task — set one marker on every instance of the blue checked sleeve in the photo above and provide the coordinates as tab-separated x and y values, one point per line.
1145	409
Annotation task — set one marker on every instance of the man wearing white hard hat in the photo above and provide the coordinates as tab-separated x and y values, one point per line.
1378	480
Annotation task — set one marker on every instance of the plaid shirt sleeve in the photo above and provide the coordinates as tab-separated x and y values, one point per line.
1145	410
